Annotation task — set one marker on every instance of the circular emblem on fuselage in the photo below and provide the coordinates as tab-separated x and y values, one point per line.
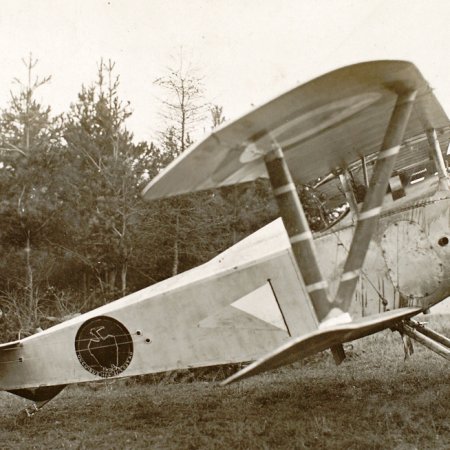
104	346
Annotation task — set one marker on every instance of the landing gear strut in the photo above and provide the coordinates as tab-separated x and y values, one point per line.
423	335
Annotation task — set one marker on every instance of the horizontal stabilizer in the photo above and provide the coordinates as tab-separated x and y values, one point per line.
7	349
320	340
10	345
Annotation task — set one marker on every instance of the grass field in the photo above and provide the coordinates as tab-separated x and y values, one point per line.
374	400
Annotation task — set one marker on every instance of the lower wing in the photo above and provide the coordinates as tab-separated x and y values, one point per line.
320	340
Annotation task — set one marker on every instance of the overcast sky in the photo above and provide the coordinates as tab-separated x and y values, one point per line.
247	50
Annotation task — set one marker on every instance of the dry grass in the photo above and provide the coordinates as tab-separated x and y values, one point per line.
374	400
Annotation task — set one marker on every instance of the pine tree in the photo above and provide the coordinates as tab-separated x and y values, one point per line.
108	171
31	154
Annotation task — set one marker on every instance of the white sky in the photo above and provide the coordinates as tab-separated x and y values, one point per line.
248	50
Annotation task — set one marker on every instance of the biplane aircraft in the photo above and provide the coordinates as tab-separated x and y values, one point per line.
368	137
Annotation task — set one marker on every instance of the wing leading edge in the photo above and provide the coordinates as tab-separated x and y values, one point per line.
324	124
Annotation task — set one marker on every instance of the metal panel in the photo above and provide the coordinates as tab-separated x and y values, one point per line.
408	252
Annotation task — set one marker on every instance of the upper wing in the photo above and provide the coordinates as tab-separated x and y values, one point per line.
320	340
327	123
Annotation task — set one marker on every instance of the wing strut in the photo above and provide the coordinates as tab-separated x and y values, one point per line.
444	183
344	178
298	230
371	208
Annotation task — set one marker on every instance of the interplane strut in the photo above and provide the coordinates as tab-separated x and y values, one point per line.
298	230
297	227
371	208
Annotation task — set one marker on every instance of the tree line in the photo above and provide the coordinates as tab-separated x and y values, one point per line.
75	232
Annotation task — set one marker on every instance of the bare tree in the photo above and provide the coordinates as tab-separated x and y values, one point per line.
183	111
184	107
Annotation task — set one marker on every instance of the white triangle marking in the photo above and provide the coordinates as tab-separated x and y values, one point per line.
262	304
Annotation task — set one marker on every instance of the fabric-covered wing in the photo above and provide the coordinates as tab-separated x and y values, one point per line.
327	123
320	340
